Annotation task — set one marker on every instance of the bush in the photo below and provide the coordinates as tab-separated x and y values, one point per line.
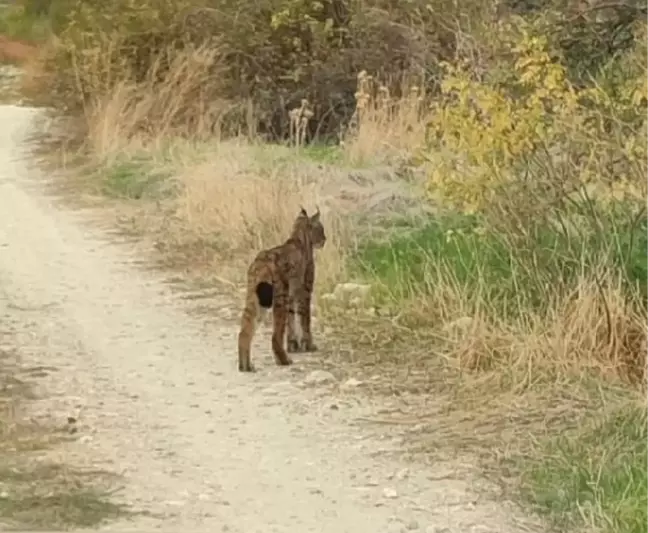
273	53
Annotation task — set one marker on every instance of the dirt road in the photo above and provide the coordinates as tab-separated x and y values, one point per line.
159	400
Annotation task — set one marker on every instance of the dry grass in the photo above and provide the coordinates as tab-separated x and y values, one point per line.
588	332
250	206
384	128
120	114
235	196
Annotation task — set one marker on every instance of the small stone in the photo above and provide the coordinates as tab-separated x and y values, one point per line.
345	290
412	525
390	493
319	377
350	384
402	474
85	438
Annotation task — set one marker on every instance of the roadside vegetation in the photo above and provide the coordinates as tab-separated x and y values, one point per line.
481	168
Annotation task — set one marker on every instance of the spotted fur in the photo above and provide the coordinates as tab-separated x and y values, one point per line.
281	279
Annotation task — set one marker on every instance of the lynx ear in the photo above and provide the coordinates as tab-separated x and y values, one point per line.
316	216
303	213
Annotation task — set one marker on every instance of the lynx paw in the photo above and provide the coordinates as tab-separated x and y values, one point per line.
308	346
246	367
293	345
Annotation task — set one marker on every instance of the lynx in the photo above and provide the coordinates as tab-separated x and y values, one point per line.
282	278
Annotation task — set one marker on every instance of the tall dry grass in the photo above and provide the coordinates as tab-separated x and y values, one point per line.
126	114
251	205
235	195
385	128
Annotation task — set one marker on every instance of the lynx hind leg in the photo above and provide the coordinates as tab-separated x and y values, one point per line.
305	306
279	317
246	333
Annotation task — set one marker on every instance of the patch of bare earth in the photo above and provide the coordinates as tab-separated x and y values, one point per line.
40	486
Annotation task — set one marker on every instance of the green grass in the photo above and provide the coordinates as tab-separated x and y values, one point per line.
510	273
322	153
594	476
132	178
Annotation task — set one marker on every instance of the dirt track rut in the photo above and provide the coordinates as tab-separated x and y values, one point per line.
159	399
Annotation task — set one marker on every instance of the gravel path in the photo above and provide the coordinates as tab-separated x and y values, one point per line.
159	400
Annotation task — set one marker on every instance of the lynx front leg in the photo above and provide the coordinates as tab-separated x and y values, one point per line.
304	309
279	316
307	344
293	334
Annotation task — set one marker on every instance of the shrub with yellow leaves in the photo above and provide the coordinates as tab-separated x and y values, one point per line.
529	140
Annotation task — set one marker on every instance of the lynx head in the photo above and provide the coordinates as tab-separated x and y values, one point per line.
310	228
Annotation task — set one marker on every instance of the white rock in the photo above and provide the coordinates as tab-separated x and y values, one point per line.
344	291
319	377
350	384
402	474
390	493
